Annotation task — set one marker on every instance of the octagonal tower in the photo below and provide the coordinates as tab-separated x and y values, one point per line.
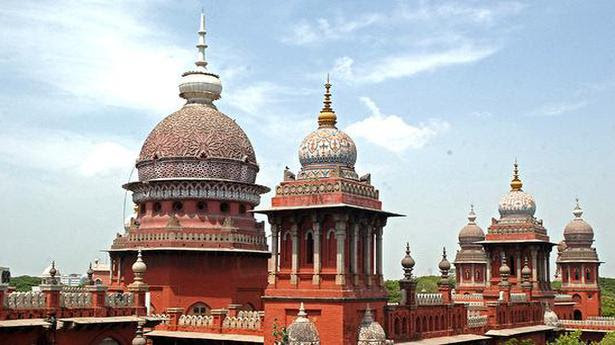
196	188
327	225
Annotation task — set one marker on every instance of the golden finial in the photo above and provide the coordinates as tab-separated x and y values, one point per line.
516	183
327	117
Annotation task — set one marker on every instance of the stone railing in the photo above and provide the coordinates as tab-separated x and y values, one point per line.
196	320
244	320
66	288
200	237
601	318
429	299
163	318
583	323
468	297
25	300
75	299
119	299
518	297
563	298
477	321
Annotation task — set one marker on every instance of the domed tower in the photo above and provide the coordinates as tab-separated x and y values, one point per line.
578	264
517	235
194	197
327	225
471	261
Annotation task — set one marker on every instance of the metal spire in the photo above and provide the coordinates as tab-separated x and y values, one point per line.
201	45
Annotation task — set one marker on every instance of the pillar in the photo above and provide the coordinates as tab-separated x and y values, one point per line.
316	235
488	273
379	255
534	268
340	236
295	254
368	254
275	233
355	252
518	264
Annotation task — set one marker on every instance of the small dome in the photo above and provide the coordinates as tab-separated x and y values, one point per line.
407	262
504	269
471	232
303	331
139	267
49	269
328	145
327	151
578	229
444	264
370	331
517	203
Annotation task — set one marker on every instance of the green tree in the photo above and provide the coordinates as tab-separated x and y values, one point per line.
570	338
24	283
393	291
608	339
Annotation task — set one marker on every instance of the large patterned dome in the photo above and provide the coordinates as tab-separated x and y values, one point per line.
328	145
517	203
197	141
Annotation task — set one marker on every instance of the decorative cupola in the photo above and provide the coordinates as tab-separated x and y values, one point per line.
517	203
302	331
327	151
408	283
370	331
578	233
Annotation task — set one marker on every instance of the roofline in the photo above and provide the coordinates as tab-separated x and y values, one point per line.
223	250
325	206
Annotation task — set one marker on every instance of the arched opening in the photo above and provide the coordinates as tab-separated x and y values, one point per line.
511	264
588	275
578	315
309	249
199	308
248	307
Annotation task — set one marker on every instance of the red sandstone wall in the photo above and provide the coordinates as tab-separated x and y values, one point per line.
121	333
181	279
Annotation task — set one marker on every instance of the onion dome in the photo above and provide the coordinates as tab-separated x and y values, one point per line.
327	151
526	272
139	339
578	229
302	331
504	272
50	271
198	141
407	263
444	265
471	232
517	203
370	331
139	267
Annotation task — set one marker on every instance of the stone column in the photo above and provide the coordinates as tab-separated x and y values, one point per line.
534	266
583	274
275	233
379	255
295	254
368	254
340	236
473	280
488	273
355	252
316	232
518	265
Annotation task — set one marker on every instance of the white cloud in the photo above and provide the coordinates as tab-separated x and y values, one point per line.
65	152
400	66
104	52
392	132
326	30
556	109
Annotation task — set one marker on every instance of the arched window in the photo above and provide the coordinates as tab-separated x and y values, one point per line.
576	274
199	308
309	249
578	315
477	275
588	275
467	274
108	341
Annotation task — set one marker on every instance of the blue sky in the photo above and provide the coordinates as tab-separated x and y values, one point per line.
440	97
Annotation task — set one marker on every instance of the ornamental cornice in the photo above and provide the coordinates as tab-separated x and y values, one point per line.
196	189
310	187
